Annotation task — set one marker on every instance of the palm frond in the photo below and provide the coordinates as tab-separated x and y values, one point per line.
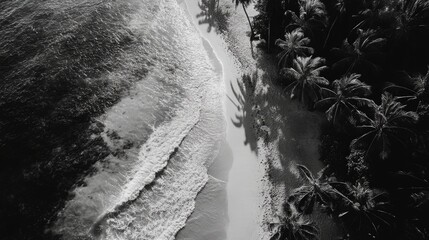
390	119
305	173
295	44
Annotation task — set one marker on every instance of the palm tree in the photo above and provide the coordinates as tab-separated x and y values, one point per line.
347	97
364	211
376	13
244	4
409	33
413	15
312	15
390	122
313	191
359	56
295	44
415	226
295	227
418	90
421	85
340	6
306	81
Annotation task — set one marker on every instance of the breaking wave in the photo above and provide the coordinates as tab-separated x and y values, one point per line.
164	134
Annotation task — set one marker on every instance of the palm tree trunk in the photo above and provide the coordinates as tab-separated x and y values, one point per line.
332	25
248	19
329	33
269	34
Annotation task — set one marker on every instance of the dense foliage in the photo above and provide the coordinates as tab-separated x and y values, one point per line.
372	79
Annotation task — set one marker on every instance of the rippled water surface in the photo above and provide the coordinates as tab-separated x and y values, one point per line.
164	133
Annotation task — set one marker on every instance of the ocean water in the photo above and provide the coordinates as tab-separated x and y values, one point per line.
165	133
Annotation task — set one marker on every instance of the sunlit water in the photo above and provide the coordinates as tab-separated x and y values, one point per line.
166	133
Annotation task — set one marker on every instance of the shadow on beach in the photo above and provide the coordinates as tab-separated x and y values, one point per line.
243	99
267	112
213	15
290	132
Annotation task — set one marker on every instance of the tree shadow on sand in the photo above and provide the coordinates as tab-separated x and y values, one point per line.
290	132
213	15
266	112
246	106
286	122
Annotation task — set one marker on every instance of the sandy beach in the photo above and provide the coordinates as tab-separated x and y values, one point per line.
214	119
276	131
237	165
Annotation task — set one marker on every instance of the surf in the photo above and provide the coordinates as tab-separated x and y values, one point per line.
163	145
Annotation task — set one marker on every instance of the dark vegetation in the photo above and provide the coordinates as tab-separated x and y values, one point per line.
364	63
53	83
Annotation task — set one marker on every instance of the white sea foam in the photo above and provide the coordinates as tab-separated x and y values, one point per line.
149	191
163	208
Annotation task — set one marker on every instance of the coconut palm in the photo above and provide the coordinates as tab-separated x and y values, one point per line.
315	190
340	6
244	4
376	13
295	44
348	96
417	87
305	77
312	15
413	15
421	85
409	33
389	123
294	227
365	211
359	56
416	227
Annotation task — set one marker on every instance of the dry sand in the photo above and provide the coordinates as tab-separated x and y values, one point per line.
241	168
266	132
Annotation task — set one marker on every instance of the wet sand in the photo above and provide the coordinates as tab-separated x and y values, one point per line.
266	131
237	164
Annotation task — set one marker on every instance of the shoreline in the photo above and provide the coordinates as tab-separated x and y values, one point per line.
282	135
239	172
180	179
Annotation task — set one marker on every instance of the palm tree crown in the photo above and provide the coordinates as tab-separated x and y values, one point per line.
413	15
376	13
313	191
304	74
312	9
347	96
365	210
295	44
359	55
421	84
312	15
295	227
389	122
416	88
